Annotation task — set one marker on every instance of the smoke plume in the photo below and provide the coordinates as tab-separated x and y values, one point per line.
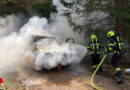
16	42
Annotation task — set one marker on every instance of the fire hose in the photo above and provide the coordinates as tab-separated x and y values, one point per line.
92	84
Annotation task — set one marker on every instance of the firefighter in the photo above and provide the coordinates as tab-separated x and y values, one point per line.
94	47
113	49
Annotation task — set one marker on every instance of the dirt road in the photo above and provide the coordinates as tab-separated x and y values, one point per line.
75	77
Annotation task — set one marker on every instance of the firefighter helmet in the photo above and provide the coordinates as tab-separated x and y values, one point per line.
94	37
110	34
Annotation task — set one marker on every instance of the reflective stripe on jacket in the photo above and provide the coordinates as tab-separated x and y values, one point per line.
112	45
94	48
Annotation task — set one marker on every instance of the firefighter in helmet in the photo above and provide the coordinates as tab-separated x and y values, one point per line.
94	47
115	50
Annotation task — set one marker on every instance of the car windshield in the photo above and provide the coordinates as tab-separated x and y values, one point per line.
41	42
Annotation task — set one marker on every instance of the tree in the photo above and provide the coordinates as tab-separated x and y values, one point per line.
120	10
44	8
100	15
37	7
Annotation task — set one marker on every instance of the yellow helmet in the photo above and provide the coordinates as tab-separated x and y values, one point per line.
110	34
93	37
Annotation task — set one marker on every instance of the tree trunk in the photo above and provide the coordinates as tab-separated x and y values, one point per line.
117	19
118	26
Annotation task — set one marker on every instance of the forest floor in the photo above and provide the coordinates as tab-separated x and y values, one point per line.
74	77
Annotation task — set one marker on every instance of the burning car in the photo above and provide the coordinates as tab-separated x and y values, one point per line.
50	53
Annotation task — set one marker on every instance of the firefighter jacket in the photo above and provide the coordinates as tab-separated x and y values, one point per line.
113	46
94	47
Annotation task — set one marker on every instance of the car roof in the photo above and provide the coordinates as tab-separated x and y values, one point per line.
43	35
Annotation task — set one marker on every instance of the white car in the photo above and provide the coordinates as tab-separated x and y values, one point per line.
51	53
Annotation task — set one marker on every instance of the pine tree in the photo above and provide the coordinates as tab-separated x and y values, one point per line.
118	17
43	8
120	10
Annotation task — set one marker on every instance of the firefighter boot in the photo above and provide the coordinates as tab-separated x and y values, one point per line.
121	78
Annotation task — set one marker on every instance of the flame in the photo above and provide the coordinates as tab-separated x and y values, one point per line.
59	67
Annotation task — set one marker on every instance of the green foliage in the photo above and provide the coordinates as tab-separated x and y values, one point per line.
93	5
9	7
88	10
118	16
67	4
10	2
117	9
122	12
40	7
44	7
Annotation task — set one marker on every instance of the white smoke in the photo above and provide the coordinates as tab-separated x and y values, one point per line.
12	49
62	30
15	43
52	53
61	27
59	6
11	23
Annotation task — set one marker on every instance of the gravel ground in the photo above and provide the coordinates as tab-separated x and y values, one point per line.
74	77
